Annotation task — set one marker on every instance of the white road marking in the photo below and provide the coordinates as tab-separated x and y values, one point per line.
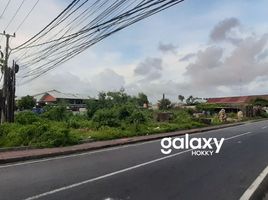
121	171
264	127
237	136
78	154
250	191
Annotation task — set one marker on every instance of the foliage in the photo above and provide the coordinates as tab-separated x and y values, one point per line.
260	102
112	115
137	117
182	116
191	100
36	134
56	113
92	106
181	98
142	99
264	114
26	103
232	115
107	100
26	117
106	117
78	122
208	107
215	120
164	104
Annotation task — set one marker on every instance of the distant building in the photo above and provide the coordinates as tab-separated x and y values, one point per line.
237	100
53	97
234	104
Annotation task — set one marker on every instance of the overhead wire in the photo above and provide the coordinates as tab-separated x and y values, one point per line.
15	14
79	27
5	8
26	17
97	40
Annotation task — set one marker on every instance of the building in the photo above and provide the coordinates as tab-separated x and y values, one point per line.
236	103
53	97
237	100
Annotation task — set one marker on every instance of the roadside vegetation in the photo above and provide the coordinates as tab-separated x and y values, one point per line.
112	115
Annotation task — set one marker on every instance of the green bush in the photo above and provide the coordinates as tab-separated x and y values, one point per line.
182	116
106	117
26	117
78	121
137	117
57	113
215	120
55	138
37	135
232	115
124	111
264	114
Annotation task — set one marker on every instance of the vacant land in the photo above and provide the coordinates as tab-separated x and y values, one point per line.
113	115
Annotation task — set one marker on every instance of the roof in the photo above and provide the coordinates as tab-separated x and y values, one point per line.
235	100
60	95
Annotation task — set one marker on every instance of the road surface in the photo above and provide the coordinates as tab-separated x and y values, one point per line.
140	171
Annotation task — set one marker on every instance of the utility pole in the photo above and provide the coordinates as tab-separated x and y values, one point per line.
7	114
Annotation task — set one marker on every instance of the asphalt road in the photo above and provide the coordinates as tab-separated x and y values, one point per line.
140	171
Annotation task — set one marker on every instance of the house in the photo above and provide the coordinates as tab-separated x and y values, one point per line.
53	97
237	100
236	103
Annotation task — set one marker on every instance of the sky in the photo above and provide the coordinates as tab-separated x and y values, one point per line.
203	48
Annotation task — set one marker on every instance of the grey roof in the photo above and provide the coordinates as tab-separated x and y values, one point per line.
60	95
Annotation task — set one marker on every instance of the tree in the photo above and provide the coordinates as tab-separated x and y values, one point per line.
181	98
93	105
190	100
142	99
164	104
26	103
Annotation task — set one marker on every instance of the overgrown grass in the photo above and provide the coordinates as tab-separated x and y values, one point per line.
59	127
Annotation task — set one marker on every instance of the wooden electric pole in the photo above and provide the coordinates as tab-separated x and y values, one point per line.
7	114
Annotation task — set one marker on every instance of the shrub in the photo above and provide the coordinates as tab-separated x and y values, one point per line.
264	114
26	117
57	113
216	120
26	103
124	112
92	106
106	117
232	115
56	137
37	134
78	121
137	117
182	116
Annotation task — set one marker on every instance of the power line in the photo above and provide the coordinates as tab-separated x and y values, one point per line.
2	14
15	14
25	18
62	13
81	25
84	46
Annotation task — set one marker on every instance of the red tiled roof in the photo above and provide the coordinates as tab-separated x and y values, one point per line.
235	100
48	98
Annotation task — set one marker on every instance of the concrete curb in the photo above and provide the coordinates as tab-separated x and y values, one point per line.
17	155
258	187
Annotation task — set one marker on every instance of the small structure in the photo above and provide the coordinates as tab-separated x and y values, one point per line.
163	116
53	97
